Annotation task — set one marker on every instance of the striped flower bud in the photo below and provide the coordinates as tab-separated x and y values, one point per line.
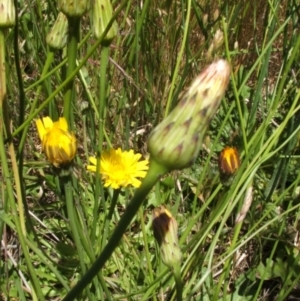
58	143
74	8
102	14
229	161
7	13
58	36
165	230
176	141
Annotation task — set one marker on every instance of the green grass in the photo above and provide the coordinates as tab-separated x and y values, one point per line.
53	230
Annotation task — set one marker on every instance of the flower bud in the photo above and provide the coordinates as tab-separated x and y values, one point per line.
165	232
217	42
176	141
229	161
102	14
58	36
74	8
7	13
58	143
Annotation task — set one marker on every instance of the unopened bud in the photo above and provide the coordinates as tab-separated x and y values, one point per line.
165	230
74	8
176	141
205	19
217	42
7	13
58	36
102	14
216	14
229	161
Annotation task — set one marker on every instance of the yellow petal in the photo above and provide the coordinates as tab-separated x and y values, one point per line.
48	123
93	160
41	129
62	122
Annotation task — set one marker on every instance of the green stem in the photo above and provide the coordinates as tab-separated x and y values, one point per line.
19	71
47	65
102	94
68	187
14	212
3	82
146	246
178	281
18	216
101	109
179	57
73	74
155	171
74	27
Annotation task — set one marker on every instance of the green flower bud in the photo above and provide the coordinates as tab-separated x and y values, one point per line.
74	8
165	230
102	14
7	13
58	36
176	141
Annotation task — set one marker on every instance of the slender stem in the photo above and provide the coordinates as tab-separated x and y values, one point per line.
109	216
73	74
10	194
101	109
178	281
74	26
72	220
3	81
102	94
155	171
49	60
179	57
19	71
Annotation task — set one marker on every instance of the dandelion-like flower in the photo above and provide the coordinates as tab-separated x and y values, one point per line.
120	168
58	143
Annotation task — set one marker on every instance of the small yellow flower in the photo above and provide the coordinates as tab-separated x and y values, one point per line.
229	161
120	169
58	143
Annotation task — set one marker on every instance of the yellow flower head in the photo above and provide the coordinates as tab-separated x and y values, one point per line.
120	169
58	143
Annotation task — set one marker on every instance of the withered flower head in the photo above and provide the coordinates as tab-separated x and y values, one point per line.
165	232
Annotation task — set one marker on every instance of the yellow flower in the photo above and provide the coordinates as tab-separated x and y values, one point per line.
120	169
58	143
229	161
